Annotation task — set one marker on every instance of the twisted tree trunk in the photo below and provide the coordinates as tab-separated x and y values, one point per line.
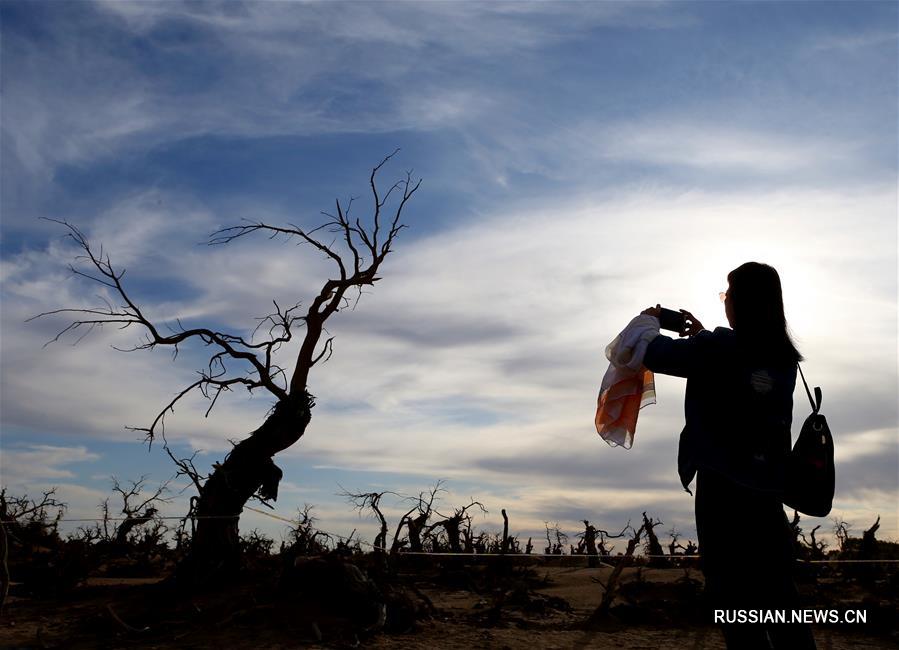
248	469
130	523
611	585
504	547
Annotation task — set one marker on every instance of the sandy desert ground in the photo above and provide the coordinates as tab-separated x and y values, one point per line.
547	613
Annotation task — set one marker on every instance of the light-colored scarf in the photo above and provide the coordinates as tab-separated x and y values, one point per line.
627	385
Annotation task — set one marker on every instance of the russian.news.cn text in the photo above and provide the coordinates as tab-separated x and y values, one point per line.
829	616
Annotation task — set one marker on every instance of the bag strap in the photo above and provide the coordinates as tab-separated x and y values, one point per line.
815	406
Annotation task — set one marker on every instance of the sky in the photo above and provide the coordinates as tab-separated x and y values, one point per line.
579	162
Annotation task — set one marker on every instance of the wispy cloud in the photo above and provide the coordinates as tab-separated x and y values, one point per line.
713	148
585	160
853	41
42	462
267	68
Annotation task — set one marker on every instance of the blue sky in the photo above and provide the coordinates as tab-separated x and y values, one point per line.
580	161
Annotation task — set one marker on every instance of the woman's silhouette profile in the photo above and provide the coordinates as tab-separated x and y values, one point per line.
738	406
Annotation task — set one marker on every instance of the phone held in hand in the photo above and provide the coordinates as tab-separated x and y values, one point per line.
671	320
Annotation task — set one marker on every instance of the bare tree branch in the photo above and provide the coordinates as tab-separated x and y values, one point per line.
137	506
186	468
13	508
227	235
358	249
213	380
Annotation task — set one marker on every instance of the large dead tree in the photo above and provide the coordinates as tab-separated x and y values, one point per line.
358	249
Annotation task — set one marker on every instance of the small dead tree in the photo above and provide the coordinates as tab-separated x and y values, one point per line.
87	534
841	530
452	526
27	522
415	521
868	550
27	512
303	537
610	586
492	542
505	545
556	547
653	547
673	545
603	535
468	538
358	251
256	544
347	546
105	520
138	508
371	501
816	548
588	540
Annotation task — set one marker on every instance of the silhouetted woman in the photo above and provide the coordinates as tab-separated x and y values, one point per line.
738	405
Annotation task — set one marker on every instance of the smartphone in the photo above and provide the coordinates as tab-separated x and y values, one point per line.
671	320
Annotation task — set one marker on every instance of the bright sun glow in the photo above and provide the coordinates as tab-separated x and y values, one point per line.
801	296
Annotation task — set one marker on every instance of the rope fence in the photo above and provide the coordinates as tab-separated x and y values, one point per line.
153	518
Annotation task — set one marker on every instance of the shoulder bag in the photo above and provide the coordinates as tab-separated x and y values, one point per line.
809	470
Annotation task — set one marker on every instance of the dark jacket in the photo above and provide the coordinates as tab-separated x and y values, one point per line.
738	408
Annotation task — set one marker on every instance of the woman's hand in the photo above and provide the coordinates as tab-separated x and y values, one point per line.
692	326
653	311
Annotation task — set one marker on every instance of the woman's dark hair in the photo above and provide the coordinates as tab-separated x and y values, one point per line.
758	310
